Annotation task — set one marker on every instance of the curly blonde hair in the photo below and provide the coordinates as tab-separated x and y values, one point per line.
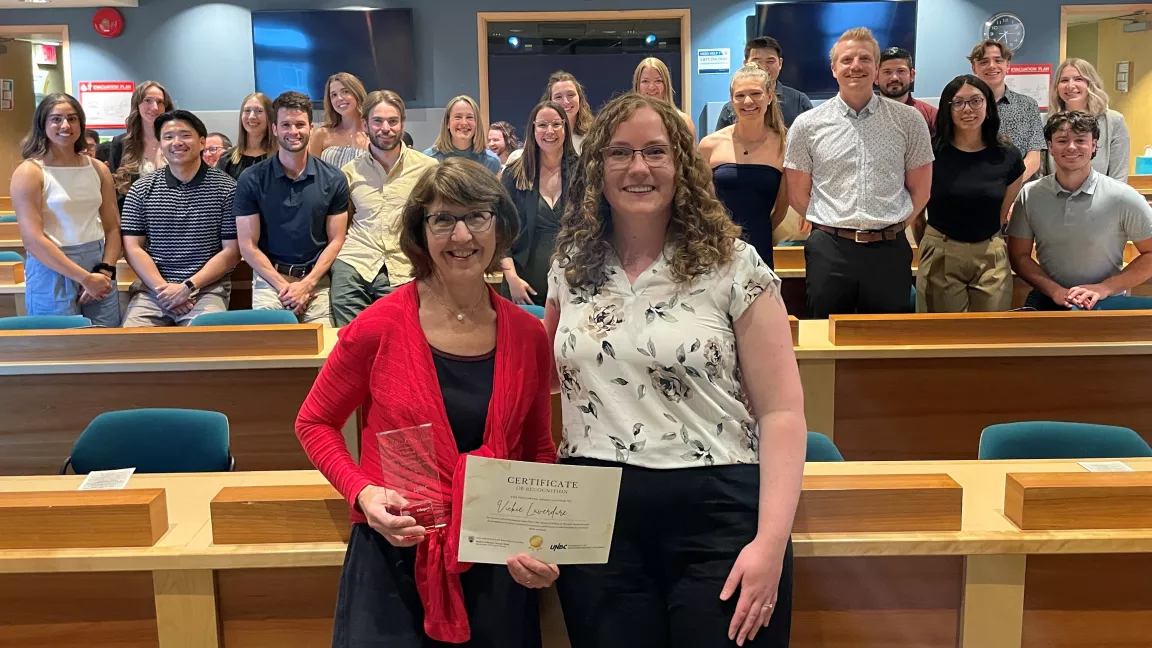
701	234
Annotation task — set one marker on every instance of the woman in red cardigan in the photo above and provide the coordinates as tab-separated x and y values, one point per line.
447	350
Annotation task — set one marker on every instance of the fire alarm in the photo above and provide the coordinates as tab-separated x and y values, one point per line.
108	22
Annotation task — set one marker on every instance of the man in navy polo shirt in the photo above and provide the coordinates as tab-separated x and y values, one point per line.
291	218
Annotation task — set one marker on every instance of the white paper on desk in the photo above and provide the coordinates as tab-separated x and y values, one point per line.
107	479
1106	466
562	515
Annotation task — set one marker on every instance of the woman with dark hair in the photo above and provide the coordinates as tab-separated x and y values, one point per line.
342	135
65	206
136	152
536	182
255	141
675	364
747	159
502	141
446	350
963	256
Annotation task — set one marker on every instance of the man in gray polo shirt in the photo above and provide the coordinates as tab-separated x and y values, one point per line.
1080	221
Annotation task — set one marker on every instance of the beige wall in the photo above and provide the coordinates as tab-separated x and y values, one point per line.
1082	41
1115	45
16	64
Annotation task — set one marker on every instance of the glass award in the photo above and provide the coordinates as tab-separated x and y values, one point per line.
409	466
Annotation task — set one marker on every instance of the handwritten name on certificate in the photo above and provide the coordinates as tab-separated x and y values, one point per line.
557	514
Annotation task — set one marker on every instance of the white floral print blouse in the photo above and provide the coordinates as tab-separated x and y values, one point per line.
648	370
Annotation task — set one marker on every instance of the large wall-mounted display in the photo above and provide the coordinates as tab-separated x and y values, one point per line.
299	50
807	30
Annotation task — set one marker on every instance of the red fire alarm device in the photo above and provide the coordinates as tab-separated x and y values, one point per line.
108	22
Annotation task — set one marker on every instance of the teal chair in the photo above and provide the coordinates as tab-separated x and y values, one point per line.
10	255
8	218
1056	440
40	322
821	449
153	441
1124	302
912	299
538	311
245	318
790	244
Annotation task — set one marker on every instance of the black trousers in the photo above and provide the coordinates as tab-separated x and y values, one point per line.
1042	302
378	605
845	277
677	535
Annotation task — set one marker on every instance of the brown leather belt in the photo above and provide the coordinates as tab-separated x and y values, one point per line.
890	233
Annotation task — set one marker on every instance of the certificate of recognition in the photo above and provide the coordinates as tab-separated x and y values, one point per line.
557	514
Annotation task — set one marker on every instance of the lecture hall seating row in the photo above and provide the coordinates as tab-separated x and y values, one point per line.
1036	554
877	396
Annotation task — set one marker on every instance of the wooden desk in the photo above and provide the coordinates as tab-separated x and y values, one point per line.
930	402
988	585
46	404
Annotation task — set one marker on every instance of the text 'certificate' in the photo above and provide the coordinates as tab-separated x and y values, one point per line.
557	514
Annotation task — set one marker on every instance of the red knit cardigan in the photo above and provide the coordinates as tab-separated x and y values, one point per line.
383	363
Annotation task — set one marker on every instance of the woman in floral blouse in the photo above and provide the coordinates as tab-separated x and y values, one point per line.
675	360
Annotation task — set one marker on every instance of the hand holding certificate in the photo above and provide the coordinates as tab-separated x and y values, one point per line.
563	515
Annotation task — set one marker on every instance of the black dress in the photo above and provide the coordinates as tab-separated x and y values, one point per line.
234	169
539	225
378	604
749	192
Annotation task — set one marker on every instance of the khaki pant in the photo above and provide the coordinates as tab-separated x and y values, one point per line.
958	277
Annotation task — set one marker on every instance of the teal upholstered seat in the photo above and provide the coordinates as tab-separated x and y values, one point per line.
1055	440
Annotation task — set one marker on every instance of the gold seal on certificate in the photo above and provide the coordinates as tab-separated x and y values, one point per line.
408	464
562	515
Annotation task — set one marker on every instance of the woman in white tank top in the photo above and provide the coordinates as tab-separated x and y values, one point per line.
65	204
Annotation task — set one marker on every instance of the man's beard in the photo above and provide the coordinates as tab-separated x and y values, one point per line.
379	142
900	92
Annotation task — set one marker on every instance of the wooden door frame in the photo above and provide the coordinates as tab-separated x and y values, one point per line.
683	15
65	45
1072	10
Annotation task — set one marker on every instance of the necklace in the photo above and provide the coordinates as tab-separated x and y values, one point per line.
755	145
459	315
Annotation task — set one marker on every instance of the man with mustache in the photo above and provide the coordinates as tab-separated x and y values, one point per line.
291	217
371	264
1080	221
896	78
859	169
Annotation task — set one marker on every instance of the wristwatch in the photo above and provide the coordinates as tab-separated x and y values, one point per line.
104	267
191	285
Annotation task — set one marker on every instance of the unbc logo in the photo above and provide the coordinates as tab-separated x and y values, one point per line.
558	547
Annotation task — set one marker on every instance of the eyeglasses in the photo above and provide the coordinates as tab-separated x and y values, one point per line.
252	112
975	103
546	125
443	224
213	150
619	157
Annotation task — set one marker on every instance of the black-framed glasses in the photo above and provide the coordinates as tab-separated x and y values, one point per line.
975	103
443	224
621	156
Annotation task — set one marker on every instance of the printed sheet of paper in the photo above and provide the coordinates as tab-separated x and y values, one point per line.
562	515
107	479
1106	466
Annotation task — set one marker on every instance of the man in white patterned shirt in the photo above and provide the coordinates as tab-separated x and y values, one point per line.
859	169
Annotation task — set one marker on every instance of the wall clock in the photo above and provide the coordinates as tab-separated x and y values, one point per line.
1006	28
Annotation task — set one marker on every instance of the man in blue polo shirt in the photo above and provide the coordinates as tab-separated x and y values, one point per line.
291	218
765	52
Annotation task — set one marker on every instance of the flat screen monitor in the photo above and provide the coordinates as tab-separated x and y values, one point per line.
806	31
299	50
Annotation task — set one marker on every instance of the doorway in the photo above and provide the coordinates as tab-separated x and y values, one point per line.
36	61
1117	40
